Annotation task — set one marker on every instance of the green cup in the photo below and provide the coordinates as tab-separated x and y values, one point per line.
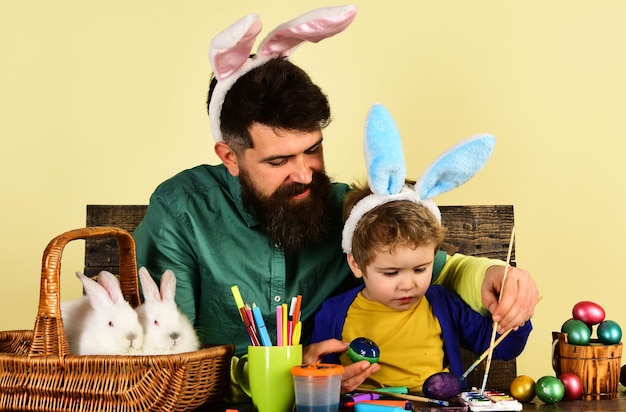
264	373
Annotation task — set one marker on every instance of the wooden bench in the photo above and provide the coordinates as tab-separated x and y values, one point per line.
471	230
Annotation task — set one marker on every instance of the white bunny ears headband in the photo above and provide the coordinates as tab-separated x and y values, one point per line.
386	171
229	53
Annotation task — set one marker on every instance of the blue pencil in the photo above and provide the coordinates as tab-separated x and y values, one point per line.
261	328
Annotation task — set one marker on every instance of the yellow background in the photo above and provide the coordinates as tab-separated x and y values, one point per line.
101	101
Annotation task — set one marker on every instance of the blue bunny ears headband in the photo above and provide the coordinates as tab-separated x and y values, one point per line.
386	170
229	52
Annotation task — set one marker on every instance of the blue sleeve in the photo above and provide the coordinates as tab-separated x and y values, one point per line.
475	332
329	320
322	329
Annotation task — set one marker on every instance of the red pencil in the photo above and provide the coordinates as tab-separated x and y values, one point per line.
249	328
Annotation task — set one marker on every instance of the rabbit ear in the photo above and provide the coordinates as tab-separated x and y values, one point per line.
149	287
168	286
112	285
314	26
456	166
98	296
229	53
230	49
384	158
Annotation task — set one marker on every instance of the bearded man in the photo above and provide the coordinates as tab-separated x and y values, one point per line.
268	219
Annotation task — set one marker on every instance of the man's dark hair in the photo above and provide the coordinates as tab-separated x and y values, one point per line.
277	94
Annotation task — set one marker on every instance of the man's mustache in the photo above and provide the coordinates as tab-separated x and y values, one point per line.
293	189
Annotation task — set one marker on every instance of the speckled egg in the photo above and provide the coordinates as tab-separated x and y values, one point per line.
363	349
441	385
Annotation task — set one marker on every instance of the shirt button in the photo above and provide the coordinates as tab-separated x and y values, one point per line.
276	298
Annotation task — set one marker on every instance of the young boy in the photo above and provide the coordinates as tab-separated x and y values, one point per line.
419	328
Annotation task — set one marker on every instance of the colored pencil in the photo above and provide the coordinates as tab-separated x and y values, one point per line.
261	328
237	295
254	340
279	325
251	317
297	331
283	326
290	324
407	397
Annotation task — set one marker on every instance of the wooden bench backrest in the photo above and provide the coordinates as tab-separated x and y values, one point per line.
471	230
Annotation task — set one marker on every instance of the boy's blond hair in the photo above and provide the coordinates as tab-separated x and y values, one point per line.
392	224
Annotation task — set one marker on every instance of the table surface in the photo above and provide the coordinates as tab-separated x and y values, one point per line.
605	405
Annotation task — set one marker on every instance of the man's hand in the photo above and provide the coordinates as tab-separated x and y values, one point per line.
519	297
353	376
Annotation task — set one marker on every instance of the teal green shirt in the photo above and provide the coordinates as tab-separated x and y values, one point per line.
196	226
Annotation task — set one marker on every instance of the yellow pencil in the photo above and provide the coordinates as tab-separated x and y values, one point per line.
284	324
238	300
297	330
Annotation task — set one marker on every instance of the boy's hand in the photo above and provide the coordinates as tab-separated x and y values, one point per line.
353	376
519	297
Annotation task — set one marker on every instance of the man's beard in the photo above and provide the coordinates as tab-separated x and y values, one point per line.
291	223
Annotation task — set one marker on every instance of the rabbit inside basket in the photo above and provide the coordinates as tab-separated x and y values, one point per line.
103	323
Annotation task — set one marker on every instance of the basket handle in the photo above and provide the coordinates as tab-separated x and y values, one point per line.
49	336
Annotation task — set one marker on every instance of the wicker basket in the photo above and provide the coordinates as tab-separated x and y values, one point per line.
37	372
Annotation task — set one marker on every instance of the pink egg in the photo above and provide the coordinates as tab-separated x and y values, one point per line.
589	312
572	385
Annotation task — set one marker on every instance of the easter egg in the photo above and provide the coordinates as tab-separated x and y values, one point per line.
363	349
523	388
589	312
572	386
442	385
622	375
578	333
549	389
609	332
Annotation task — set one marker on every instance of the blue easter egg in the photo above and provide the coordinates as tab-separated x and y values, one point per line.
363	349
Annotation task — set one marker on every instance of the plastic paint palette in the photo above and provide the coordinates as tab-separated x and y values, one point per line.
490	401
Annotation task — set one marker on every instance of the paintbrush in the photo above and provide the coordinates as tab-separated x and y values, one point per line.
495	324
486	352
484	355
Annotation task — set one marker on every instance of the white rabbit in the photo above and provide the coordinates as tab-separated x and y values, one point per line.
166	329
102	322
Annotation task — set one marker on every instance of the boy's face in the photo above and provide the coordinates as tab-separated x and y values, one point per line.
397	278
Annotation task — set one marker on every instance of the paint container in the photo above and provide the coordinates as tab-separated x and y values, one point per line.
317	387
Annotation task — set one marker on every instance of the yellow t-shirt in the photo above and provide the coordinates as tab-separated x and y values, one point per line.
410	341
